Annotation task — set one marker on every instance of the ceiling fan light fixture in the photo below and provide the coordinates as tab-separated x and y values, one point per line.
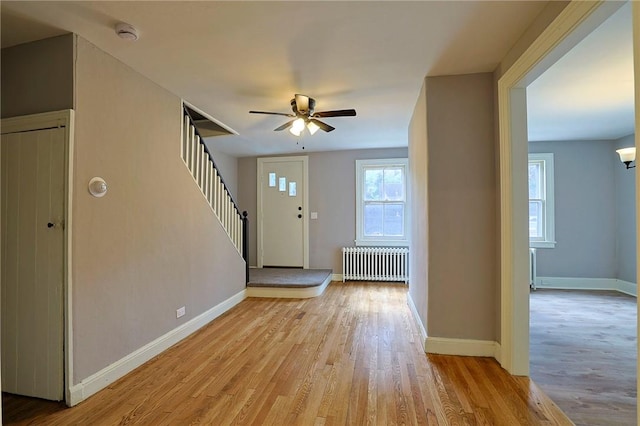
304	115
297	127
313	127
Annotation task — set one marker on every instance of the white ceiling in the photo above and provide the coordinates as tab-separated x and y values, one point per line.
227	58
588	93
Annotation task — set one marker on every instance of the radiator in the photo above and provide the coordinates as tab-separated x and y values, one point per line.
532	268
375	264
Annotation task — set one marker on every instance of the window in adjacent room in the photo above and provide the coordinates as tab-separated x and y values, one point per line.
541	203
381	202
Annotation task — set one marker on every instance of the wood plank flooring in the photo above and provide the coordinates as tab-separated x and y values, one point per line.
584	351
349	357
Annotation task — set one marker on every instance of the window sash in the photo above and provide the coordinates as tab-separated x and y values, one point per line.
390	194
541	200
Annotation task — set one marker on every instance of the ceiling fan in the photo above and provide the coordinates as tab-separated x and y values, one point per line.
304	115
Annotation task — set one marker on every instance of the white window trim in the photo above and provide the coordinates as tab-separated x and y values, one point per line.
549	214
361	240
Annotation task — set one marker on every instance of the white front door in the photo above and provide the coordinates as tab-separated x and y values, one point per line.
33	262
282	212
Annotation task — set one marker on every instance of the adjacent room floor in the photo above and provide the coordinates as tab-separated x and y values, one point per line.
584	351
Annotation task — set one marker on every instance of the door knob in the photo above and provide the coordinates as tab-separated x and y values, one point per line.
50	225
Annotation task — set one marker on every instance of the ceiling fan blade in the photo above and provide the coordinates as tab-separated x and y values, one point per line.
323	126
272	113
336	113
302	104
284	126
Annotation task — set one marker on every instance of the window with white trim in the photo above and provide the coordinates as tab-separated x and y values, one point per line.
541	201
382	208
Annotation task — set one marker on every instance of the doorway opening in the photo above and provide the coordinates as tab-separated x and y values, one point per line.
583	326
577	20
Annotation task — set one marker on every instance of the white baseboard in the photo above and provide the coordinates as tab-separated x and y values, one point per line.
418	321
289	292
571	283
498	352
336	277
120	368
446	346
462	347
627	288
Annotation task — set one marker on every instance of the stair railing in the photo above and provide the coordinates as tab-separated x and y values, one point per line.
200	162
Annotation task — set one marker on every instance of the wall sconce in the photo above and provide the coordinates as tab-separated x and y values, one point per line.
627	156
97	187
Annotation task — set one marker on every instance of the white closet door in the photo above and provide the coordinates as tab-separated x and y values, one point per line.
32	263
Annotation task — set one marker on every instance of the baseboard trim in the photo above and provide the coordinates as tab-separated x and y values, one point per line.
416	317
336	277
288	292
571	283
461	347
498	352
446	346
120	368
627	287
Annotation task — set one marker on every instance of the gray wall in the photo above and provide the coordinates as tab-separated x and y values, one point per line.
585	210
625	203
420	286
152	244
462	194
38	77
460	202
332	194
227	167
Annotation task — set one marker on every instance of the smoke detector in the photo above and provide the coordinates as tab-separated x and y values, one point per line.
126	31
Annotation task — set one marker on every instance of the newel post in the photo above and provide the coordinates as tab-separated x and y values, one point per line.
245	243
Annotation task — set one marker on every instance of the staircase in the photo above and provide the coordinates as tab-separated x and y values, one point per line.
203	169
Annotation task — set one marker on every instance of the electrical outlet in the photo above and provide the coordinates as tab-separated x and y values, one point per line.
180	312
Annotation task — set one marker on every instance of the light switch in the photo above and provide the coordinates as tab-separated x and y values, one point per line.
314	215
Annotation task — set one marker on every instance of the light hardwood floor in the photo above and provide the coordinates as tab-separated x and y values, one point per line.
349	357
